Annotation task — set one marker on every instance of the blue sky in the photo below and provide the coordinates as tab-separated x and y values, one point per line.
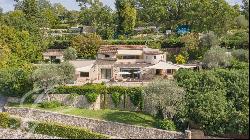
7	5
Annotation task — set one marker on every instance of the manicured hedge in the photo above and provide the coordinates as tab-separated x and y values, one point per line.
8	122
80	90
59	130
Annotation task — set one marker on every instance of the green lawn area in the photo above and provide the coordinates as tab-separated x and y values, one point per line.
133	118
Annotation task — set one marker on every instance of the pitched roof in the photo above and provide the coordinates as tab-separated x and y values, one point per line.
114	48
53	52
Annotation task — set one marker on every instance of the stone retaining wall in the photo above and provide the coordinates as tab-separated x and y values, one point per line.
99	126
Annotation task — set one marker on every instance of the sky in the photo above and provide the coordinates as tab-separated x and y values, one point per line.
7	5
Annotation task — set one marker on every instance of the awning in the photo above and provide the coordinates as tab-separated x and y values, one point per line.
187	67
85	69
164	65
124	73
129	52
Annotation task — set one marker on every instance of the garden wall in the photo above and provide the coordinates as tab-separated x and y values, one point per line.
80	101
99	126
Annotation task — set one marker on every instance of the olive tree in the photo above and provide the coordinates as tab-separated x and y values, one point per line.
47	77
70	54
162	97
217	57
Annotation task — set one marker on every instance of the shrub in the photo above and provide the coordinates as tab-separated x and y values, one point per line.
80	90
215	99
53	129
135	95
4	117
50	104
91	97
14	123
166	124
216	57
116	98
241	55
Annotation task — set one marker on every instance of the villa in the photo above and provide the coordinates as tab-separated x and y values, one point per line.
125	63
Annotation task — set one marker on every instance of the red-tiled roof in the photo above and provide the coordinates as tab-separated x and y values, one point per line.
114	48
53	52
153	53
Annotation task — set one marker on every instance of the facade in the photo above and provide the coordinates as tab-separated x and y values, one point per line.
123	63
53	55
120	63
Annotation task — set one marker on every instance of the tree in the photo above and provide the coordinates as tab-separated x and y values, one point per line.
238	39
126	16
69	54
241	55
216	98
30	9
67	72
46	77
216	57
100	17
242	22
180	59
162	96
86	45
245	8
211	15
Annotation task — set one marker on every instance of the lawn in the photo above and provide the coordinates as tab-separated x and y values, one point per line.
133	118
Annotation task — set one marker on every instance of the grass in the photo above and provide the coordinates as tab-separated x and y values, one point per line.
133	118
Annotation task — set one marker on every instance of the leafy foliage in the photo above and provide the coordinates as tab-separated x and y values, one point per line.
86	45
163	95
166	124
241	55
116	98
50	104
70	54
215	98
4	120
216	57
126	16
91	97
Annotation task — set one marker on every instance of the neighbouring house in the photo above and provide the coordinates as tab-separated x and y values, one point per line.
83	70
53	55
125	63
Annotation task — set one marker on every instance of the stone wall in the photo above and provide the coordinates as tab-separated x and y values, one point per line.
80	101
99	126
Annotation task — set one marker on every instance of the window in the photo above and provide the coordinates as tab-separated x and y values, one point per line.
154	57
146	57
134	73
106	56
106	73
131	57
169	71
84	74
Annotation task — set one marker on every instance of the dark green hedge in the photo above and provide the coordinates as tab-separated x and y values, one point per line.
59	130
80	90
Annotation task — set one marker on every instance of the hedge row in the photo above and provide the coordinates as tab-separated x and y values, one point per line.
9	122
80	90
59	130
